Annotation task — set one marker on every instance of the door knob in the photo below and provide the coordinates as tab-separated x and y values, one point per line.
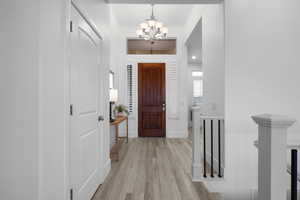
163	106
100	118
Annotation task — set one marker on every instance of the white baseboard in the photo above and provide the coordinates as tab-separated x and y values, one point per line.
106	168
245	194
197	173
208	178
177	134
131	134
253	194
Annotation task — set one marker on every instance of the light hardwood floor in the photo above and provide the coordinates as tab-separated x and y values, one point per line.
153	169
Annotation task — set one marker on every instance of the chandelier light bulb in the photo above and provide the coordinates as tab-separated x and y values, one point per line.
144	25
139	33
159	25
165	30
151	23
152	29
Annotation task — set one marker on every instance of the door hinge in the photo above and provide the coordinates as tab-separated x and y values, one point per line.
71	194
71	26
71	109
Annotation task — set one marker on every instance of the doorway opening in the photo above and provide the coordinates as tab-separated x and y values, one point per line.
206	95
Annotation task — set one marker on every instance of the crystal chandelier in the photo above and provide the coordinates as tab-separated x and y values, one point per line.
151	29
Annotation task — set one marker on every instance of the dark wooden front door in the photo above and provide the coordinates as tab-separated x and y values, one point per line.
152	100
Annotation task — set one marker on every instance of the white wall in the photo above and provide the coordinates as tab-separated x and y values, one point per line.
19	99
262	69
262	61
176	123
213	58
212	18
34	96
116	53
53	99
213	69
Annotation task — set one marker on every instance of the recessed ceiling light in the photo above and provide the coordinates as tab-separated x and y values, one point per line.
194	57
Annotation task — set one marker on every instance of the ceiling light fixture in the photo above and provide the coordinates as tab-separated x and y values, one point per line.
151	29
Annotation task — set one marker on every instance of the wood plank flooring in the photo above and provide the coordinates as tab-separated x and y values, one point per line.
153	169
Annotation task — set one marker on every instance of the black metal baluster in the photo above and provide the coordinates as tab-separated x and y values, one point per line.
219	146
294	174
212	148
204	150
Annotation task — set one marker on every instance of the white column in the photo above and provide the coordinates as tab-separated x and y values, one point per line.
196	140
272	160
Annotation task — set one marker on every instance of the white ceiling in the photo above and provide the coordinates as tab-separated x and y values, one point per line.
134	14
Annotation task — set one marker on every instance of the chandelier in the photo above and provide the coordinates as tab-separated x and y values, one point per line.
151	29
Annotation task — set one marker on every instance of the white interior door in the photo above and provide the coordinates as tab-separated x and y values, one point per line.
85	136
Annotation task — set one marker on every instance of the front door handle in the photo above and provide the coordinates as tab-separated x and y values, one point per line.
100	118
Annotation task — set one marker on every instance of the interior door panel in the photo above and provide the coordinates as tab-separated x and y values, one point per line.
85	140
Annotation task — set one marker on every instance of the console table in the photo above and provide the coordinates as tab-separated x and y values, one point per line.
114	152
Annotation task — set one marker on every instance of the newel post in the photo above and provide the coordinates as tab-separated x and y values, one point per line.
196	141
272	160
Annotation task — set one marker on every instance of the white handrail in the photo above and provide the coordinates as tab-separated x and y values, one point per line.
211	117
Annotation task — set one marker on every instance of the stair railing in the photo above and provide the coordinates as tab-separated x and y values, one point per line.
272	156
294	173
208	146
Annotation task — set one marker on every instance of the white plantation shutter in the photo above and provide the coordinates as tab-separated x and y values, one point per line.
130	88
172	87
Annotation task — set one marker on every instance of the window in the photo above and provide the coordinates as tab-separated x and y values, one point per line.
140	46
197	88
197	77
